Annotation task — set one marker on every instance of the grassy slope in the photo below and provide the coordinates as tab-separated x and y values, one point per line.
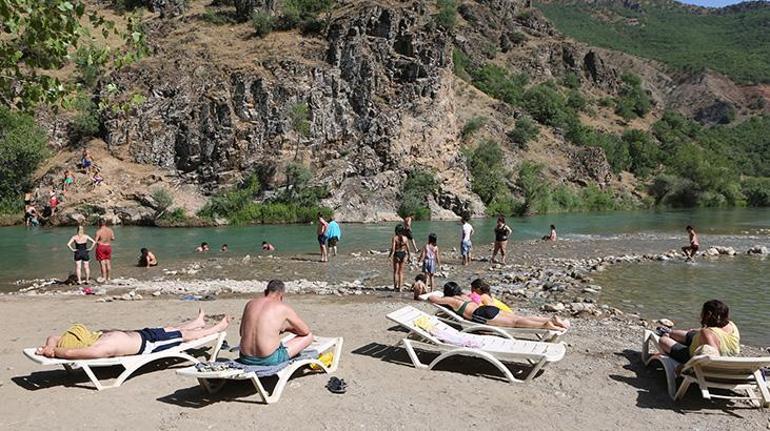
736	44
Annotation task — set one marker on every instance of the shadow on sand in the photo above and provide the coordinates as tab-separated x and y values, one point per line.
460	364
652	392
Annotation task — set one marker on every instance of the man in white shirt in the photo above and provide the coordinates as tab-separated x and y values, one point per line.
465	241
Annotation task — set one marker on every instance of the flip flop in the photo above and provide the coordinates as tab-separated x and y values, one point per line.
337	386
662	330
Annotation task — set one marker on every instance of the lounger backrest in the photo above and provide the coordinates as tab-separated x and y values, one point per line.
727	368
406	317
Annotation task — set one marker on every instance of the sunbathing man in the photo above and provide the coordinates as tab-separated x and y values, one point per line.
264	320
78	342
491	315
716	331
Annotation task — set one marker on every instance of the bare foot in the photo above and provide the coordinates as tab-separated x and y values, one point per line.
200	320
223	324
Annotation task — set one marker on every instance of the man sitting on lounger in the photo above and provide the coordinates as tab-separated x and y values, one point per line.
264	320
78	342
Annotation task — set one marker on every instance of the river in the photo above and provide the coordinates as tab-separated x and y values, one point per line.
674	290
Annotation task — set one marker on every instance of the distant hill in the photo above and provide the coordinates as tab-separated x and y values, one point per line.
734	41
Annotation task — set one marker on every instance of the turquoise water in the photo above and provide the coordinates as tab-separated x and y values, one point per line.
673	290
677	290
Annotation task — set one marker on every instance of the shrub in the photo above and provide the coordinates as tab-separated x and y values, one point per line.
756	191
472	126
487	171
534	189
632	100
595	199
643	152
217	17
460	64
418	187
499	83
22	149
86	121
504	205
525	131
90	61
262	23
576	101
517	37
446	17
175	216
163	199
546	105
297	13
572	80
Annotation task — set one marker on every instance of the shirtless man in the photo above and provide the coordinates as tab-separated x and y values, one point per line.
323	226
104	237
264	320
690	250
80	343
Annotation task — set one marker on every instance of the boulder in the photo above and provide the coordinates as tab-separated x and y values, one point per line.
757	250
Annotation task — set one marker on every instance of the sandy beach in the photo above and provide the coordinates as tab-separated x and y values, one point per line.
601	383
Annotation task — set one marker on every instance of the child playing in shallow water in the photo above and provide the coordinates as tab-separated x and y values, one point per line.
480	294
429	256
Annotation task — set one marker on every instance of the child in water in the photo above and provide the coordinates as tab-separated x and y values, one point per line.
429	256
690	250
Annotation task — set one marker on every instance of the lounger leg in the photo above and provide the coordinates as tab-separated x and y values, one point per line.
683	389
481	355
93	378
337	354
210	387
266	398
670	371
704	389
217	347
413	355
762	386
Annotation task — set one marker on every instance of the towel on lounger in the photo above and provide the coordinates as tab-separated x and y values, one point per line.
260	371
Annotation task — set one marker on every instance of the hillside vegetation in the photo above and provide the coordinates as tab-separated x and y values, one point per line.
734	41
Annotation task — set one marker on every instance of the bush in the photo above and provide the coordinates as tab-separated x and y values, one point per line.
217	17
22	149
756	191
418	187
163	199
632	100
643	152
499	83
534	189
298	13
517	37
175	216
262	23
504	205
572	80
460	64
446	17
90	61
576	101
525	131
546	105
86	121
472	126
487	171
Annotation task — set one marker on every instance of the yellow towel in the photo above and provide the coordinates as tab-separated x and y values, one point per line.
326	359
424	322
501	305
78	336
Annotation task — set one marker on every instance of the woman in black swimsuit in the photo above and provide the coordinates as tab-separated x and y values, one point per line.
456	301
399	253
81	249
502	233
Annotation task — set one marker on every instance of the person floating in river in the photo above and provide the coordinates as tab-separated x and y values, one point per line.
147	258
690	250
266	246
203	248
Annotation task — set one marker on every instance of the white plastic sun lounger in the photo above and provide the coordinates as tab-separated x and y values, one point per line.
493	349
130	363
545	335
722	372
213	381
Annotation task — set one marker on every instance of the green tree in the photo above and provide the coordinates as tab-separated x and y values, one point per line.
419	186
299	117
487	171
524	131
546	105
643	152
36	39
22	148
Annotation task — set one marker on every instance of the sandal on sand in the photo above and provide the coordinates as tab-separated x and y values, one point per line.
337	386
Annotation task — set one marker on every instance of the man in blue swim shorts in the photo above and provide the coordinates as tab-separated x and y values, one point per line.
263	323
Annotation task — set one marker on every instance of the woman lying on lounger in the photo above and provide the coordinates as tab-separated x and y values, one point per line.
717	331
78	342
491	315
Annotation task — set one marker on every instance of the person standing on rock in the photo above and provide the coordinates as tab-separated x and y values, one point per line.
104	238
690	250
502	233
465	240
408	231
321	231
399	254
81	249
334	234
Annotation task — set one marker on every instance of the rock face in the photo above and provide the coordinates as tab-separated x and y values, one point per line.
379	104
